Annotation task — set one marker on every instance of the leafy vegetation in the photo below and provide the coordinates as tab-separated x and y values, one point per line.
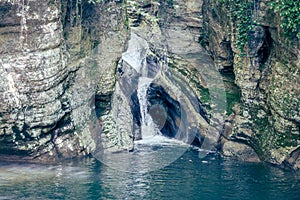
289	12
232	98
240	12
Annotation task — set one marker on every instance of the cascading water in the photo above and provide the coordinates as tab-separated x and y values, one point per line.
138	69
136	58
148	128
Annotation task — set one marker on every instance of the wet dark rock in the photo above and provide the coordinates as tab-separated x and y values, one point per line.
240	151
136	113
169	116
292	161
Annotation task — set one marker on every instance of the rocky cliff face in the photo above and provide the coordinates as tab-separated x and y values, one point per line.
267	118
62	80
51	63
184	75
253	80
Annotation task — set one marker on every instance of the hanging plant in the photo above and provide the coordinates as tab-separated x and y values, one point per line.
240	13
289	13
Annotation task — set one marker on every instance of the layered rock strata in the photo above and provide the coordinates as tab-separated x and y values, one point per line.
267	73
53	54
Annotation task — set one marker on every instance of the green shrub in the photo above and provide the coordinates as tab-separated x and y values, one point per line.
289	13
240	12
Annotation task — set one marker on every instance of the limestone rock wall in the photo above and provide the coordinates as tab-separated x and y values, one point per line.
268	76
58	77
53	54
181	67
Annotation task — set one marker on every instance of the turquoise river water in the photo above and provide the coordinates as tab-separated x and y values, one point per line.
188	177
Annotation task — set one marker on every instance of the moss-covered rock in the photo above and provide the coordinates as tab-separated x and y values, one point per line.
267	74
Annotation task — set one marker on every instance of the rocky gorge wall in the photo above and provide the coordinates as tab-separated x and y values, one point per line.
259	121
64	79
267	118
164	47
51	65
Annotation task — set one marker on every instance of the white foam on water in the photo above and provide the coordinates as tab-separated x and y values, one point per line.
161	140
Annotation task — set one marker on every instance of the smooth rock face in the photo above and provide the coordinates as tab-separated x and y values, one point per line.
50	64
268	76
183	73
240	151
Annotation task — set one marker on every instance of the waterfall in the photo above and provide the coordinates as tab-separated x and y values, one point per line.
148	128
169	101
135	57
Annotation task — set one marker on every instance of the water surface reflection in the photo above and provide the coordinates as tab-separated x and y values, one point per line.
187	178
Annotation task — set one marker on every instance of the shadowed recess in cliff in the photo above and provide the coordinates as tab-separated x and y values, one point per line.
155	104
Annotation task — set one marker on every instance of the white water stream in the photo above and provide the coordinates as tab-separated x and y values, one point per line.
148	127
136	57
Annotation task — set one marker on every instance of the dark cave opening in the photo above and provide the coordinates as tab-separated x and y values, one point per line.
168	115
265	51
